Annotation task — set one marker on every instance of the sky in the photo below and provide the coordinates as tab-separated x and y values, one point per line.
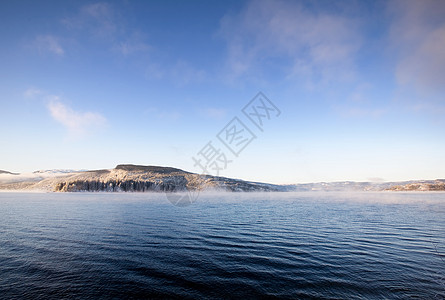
272	91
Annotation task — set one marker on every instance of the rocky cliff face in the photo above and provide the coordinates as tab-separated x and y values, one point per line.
133	178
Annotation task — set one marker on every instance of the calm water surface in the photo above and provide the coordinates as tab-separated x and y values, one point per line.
275	245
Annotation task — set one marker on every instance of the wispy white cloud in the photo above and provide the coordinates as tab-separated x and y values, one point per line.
100	19
213	113
184	73
49	43
131	47
168	115
363	112
103	22
417	35
320	46
134	44
79	124
32	92
181	73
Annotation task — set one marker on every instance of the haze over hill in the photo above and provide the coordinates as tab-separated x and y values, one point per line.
137	178
132	178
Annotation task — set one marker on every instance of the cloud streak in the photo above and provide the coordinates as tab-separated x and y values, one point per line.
181	73
98	18
32	92
79	124
170	115
320	46
417	34
103	22
49	43
213	113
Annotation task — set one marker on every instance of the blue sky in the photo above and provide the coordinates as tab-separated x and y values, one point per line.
360	86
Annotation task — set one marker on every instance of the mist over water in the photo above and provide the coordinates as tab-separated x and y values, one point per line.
225	245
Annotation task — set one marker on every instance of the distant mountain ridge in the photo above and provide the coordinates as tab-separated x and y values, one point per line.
139	178
411	185
57	171
341	186
7	172
423	185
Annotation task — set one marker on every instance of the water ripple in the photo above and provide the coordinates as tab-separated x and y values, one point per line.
55	246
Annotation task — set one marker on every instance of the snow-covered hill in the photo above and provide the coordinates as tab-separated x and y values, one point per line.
135	178
131	178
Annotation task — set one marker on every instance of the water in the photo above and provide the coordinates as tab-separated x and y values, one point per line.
282	245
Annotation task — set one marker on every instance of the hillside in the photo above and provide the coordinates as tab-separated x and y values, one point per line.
7	172
436	185
135	178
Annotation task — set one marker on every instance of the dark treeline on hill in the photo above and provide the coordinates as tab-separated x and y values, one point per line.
116	186
134	178
137	178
